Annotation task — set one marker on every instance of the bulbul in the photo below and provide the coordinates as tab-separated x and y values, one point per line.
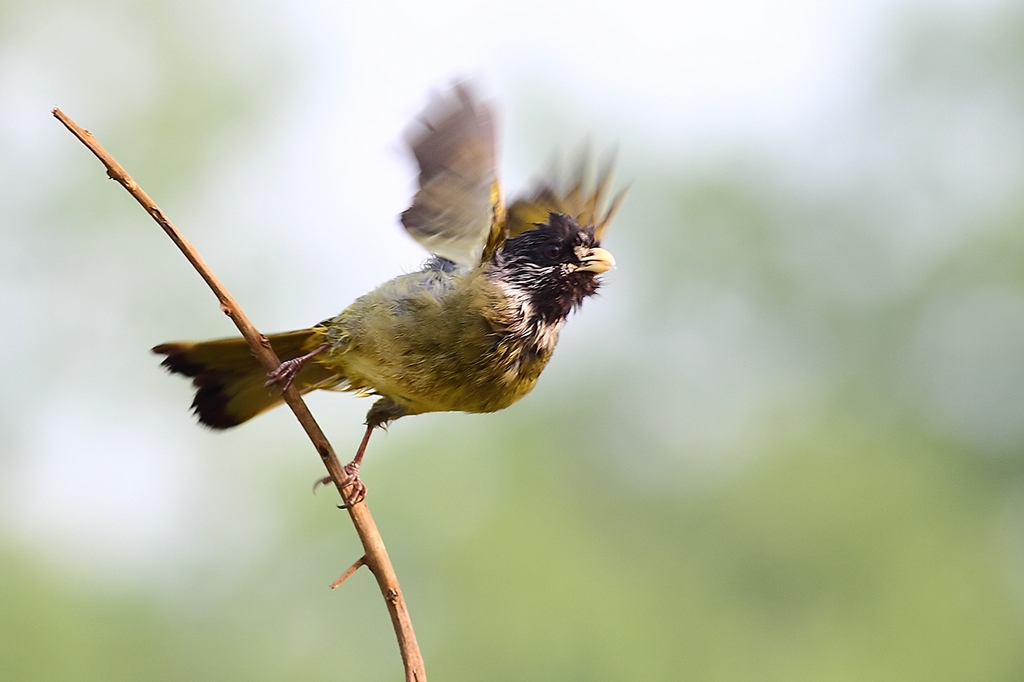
470	332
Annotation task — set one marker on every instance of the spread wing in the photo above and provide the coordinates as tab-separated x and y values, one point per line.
584	197
457	213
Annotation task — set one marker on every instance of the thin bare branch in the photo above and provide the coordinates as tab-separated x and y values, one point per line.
359	563
376	555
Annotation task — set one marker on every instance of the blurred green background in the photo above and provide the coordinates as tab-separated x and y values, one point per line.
786	443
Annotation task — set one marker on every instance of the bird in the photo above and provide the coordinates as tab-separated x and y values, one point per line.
472	330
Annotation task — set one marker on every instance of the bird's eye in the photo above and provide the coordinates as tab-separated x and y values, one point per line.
552	251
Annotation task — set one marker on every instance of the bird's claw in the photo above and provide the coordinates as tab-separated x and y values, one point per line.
285	373
357	491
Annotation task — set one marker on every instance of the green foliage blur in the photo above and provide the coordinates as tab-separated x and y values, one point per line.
785	444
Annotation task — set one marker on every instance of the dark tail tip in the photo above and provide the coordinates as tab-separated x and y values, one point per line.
210	406
177	361
211	399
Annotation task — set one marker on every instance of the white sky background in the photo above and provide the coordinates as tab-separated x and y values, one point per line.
672	80
675	79
677	82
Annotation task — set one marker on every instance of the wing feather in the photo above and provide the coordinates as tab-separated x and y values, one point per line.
457	213
581	196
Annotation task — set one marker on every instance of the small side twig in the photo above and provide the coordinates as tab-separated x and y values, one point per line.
348	574
376	555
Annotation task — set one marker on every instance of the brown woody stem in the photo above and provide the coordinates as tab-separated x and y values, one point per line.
376	555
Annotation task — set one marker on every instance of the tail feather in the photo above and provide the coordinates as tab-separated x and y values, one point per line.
230	381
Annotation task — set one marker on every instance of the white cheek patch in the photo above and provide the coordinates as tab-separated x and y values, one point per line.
545	336
528	326
519	299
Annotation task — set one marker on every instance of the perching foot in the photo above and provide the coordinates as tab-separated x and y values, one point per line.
286	371
357	493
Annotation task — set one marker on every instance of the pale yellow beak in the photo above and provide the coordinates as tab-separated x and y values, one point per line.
597	260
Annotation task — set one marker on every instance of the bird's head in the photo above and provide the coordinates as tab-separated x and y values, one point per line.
555	266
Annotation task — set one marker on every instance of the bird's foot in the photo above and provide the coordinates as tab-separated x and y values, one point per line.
286	371
357	492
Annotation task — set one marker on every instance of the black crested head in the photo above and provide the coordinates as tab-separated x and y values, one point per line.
554	265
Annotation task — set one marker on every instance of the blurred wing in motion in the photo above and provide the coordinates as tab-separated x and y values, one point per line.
585	198
457	213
